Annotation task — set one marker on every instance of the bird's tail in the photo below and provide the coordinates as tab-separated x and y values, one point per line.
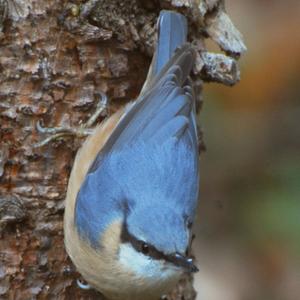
172	33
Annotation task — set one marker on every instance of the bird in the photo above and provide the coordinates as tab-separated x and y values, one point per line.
133	190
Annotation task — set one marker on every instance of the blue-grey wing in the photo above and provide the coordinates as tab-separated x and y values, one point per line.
166	110
164	113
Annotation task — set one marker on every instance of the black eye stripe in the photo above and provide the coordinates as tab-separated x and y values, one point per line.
140	246
147	249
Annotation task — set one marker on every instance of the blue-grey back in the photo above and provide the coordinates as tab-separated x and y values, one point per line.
150	162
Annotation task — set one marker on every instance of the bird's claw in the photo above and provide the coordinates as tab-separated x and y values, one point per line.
82	131
83	285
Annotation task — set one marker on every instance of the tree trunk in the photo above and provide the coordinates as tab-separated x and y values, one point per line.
56	56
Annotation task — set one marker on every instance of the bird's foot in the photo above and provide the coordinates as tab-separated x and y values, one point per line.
82	131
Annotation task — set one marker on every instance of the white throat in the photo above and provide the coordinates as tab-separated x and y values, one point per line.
148	268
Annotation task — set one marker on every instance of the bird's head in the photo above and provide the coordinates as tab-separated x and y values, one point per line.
155	242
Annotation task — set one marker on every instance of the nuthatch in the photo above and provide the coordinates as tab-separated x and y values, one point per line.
133	189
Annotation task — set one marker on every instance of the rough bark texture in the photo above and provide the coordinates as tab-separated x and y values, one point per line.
55	57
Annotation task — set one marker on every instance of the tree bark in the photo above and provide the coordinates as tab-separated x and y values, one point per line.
56	56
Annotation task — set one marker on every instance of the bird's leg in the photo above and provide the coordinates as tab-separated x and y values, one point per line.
101	109
81	131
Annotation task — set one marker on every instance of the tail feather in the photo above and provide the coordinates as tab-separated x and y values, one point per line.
172	34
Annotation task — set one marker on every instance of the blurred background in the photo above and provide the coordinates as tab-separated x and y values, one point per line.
248	231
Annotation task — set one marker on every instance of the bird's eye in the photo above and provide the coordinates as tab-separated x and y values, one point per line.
144	248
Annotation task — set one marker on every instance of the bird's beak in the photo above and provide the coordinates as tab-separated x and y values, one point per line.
184	262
